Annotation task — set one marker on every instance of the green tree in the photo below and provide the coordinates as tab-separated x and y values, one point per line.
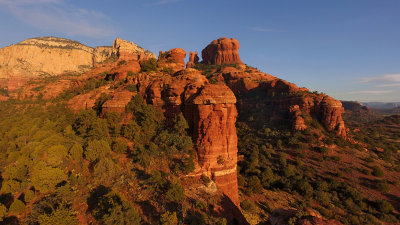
132	131
17	207
120	146
56	155
248	205
254	185
383	206
62	215
148	65
96	150
11	186
267	177
113	121
169	218
105	169
304	188
29	195
110	209
17	171
377	171
180	124
3	212
76	152
45	178
283	159
89	126
175	193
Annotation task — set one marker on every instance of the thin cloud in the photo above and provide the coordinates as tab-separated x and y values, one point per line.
57	16
164	2
371	92
261	29
27	2
381	78
389	85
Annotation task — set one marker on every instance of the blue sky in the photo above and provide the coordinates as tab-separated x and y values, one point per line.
349	49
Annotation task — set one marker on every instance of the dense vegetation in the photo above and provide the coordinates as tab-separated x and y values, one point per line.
62	168
58	167
298	163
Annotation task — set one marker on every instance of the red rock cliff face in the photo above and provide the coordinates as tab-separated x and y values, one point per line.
211	114
285	98
174	59
222	51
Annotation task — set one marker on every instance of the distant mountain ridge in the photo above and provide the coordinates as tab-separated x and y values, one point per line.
382	105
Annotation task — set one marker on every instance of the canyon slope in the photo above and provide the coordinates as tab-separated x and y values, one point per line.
210	94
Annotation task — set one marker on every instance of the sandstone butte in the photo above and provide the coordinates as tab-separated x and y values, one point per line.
210	109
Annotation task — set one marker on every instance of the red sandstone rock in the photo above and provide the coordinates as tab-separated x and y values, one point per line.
120	72
118	102
193	59
126	50
211	114
222	51
174	59
4	98
88	100
286	99
298	122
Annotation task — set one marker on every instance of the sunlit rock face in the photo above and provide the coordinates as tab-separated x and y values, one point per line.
222	51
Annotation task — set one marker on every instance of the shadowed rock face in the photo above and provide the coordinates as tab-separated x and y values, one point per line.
285	98
222	51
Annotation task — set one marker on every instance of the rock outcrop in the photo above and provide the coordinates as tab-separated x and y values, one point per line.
284	98
118	102
193	59
208	108
50	56
211	114
126	50
45	56
222	51
121	71
174	59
